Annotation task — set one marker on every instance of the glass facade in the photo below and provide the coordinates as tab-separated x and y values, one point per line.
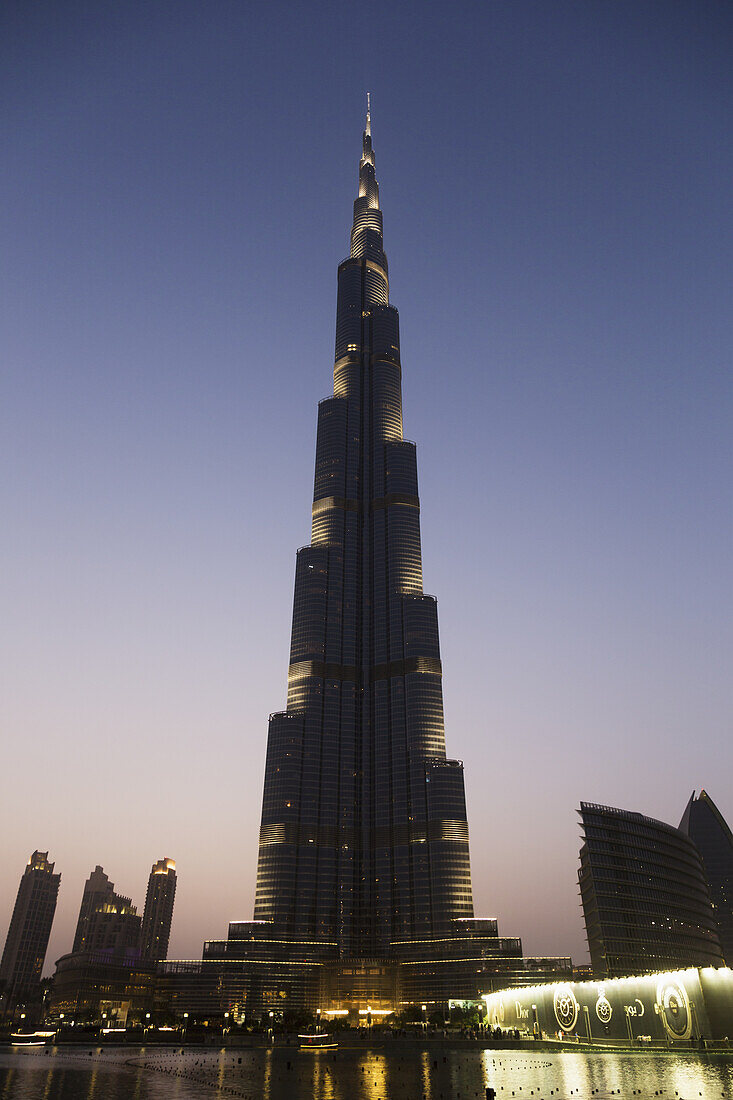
706	827
364	837
645	900
363	866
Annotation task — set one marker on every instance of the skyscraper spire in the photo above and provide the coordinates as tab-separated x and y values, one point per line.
364	839
363	876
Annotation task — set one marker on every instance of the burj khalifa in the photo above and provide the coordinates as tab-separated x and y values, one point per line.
363	848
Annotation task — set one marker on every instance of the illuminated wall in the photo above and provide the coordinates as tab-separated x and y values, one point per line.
676	1006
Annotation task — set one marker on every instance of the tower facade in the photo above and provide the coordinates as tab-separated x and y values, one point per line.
645	900
364	837
706	827
364	898
158	913
30	928
97	890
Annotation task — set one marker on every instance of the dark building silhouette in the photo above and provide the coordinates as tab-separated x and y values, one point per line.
158	913
364	838
108	975
363	852
703	822
30	928
97	890
645	900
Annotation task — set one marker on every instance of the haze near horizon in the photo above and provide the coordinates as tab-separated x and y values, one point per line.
178	190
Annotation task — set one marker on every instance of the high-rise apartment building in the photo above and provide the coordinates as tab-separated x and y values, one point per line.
645	900
706	827
111	968
97	890
30	928
158	913
363	852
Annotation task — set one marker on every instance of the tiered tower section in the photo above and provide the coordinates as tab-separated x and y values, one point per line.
364	838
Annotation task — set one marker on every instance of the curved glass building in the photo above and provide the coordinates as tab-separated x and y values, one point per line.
645	899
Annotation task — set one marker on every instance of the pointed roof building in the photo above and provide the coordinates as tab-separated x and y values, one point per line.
706	827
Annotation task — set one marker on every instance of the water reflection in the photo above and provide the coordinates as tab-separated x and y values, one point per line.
394	1073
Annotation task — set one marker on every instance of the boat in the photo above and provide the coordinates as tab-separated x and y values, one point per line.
318	1040
31	1038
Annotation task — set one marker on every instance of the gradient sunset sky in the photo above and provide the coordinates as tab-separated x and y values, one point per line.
176	196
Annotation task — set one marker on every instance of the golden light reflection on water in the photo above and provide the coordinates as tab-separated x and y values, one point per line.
427	1081
93	1083
574	1075
399	1072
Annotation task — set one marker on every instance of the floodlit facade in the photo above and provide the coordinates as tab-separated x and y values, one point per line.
30	927
678	1008
363	851
706	827
645	900
158	913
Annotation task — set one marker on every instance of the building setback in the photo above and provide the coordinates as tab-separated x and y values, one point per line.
645	900
703	822
29	931
363	849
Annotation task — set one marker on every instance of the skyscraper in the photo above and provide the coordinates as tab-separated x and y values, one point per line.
107	921
158	913
30	928
363	852
364	837
97	890
645	901
703	822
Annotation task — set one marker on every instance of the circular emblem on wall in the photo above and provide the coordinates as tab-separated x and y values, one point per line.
673	1005
604	1012
566	1007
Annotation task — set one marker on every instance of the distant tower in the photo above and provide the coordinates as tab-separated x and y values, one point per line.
645	901
30	928
703	822
159	909
97	890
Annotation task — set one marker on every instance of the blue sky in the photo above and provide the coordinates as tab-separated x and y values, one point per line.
555	180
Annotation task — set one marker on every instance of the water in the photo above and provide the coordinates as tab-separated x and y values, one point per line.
402	1073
